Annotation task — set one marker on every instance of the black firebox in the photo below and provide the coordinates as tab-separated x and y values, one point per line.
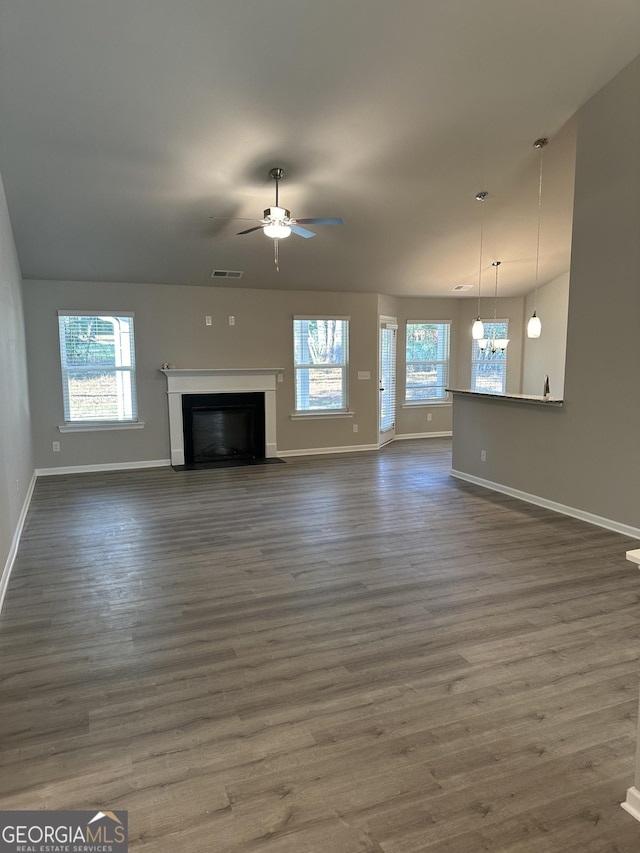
221	428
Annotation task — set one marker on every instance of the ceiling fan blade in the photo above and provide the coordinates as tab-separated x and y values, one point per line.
322	220
302	232
249	230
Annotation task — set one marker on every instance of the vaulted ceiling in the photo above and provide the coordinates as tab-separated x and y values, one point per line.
125	125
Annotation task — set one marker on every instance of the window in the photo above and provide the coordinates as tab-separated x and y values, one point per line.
98	368
489	369
321	357
387	394
427	362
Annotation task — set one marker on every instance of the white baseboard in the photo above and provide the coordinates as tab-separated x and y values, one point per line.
582	515
319	451
6	573
632	803
108	466
407	435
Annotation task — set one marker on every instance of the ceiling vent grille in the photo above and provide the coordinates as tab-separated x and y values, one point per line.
460	287
227	274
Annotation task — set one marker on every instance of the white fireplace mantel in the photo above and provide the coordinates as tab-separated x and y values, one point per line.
220	381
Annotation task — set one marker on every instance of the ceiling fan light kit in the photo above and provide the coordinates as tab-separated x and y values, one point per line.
276	226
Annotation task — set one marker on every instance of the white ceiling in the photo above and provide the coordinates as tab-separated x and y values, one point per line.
126	124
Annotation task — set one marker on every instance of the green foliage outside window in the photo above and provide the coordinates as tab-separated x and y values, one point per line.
427	362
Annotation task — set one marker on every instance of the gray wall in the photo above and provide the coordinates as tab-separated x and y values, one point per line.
170	326
546	355
16	462
587	454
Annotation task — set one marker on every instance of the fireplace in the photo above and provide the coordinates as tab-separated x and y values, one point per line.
183	382
223	428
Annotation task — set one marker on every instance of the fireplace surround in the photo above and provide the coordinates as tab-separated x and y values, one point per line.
182	381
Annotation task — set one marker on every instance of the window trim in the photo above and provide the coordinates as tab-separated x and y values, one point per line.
99	426
445	398
343	411
74	425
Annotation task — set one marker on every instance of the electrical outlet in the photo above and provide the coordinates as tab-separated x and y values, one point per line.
232	321
355	427
429	416
18	488
56	446
483	455
280	377
208	320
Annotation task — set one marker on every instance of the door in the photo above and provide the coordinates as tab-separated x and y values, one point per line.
387	377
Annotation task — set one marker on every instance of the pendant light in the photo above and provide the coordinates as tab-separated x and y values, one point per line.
477	330
534	326
494	344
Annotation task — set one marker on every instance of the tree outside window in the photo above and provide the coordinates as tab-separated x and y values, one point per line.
321	360
427	362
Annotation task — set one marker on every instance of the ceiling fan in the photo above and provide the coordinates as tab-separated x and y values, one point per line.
277	223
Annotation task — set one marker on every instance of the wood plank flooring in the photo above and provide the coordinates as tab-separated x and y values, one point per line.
355	654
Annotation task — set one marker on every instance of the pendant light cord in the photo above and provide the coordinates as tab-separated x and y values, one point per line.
481	197
496	264
539	143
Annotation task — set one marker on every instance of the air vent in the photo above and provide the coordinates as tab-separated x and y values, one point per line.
227	274
460	287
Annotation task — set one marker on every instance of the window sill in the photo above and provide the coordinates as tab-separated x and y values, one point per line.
96	427
302	416
421	404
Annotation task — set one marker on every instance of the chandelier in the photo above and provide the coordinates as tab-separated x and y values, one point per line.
494	344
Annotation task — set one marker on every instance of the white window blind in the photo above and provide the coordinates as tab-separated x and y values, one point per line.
97	357
320	346
387	376
427	362
489	369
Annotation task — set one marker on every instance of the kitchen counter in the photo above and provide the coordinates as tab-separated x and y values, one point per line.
553	402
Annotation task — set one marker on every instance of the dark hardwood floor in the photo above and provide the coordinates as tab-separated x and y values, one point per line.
354	654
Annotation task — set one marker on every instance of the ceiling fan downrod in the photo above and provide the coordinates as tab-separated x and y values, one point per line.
276	173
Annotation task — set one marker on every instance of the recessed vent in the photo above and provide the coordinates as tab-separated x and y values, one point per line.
460	287
227	274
